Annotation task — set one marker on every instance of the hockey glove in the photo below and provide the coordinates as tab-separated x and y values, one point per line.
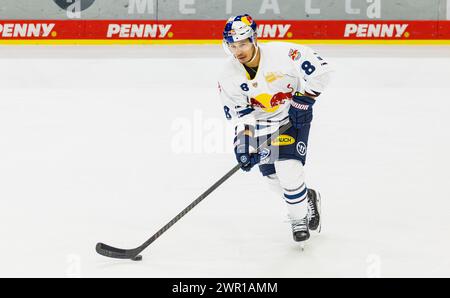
244	144
301	111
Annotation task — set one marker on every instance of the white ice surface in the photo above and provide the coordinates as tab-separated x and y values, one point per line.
91	150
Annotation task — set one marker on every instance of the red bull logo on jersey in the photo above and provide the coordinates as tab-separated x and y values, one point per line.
270	103
376	30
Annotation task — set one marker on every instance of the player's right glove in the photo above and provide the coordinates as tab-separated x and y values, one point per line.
301	110
244	147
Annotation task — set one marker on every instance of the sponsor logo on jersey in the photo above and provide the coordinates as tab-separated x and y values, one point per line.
274	30
273	76
294	54
376	30
139	31
301	148
27	30
283	140
270	103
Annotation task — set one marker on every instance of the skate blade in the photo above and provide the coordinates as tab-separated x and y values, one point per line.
319	205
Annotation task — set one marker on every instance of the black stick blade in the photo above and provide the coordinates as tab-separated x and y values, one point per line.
116	253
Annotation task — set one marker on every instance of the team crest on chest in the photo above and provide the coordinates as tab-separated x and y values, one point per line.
294	54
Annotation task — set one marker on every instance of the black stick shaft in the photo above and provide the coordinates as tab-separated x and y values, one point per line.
189	208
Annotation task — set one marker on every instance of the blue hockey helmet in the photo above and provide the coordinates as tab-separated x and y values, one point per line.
239	28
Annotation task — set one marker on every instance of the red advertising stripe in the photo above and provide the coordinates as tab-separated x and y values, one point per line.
444	29
212	30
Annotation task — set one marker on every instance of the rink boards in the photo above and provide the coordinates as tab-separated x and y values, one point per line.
209	31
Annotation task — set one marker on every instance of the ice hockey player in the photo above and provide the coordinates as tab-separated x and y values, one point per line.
263	87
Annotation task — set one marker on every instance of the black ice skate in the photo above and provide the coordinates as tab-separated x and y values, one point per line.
300	230
314	210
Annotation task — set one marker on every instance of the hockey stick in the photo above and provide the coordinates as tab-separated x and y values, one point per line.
133	254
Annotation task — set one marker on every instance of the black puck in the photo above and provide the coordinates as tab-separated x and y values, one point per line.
137	258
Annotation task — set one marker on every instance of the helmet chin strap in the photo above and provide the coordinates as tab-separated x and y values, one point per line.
255	54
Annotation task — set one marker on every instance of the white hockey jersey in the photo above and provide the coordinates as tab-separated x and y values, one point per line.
264	101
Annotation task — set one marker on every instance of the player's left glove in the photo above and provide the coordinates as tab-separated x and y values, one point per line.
301	110
244	144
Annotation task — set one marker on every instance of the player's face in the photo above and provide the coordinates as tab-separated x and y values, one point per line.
242	50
